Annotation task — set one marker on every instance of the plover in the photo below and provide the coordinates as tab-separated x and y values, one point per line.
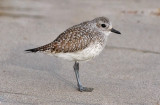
81	42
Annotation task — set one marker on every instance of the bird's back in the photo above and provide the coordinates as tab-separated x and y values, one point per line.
73	39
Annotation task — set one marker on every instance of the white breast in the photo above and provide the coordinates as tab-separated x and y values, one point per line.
86	54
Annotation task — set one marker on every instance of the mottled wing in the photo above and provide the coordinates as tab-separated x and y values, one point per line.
72	40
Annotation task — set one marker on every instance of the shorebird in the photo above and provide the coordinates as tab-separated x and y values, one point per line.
81	42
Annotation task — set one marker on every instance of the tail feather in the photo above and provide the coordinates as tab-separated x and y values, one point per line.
33	50
41	48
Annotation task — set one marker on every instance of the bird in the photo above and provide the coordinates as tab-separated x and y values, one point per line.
81	42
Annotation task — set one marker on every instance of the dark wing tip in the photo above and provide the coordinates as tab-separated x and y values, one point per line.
32	50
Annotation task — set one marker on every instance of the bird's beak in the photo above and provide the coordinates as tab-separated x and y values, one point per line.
115	31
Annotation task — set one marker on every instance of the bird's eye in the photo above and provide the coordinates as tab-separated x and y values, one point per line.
103	25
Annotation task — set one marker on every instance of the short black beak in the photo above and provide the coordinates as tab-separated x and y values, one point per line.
115	31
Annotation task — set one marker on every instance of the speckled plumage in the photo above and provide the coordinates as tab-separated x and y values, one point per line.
75	40
80	43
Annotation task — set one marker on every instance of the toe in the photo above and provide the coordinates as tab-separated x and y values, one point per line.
85	89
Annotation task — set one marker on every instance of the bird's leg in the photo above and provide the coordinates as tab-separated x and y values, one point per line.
80	87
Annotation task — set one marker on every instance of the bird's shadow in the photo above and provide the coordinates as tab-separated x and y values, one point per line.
18	57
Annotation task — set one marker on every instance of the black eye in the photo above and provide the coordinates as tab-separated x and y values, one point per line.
103	25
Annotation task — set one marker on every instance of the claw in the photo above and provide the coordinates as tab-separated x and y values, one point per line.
85	89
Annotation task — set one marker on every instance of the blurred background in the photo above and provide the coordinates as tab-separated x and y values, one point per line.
126	73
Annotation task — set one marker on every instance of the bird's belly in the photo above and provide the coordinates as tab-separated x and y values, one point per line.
85	54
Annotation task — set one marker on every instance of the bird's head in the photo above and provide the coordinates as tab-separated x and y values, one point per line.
104	25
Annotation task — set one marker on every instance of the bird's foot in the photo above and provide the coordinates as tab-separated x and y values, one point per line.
85	89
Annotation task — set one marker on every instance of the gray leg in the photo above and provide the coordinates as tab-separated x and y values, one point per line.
80	87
